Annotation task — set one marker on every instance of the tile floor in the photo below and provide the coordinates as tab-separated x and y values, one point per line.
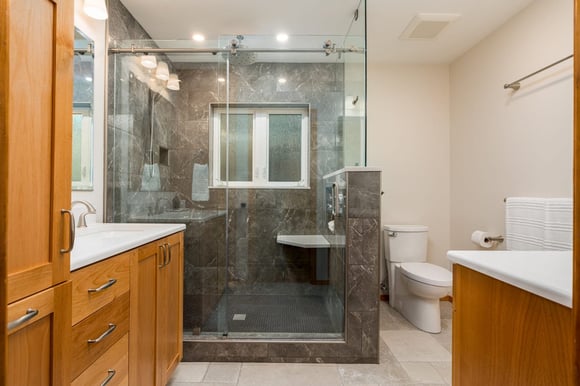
407	357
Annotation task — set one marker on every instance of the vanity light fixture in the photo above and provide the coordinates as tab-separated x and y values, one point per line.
282	37
173	82
97	9
148	61
221	80
281	80
162	71
198	37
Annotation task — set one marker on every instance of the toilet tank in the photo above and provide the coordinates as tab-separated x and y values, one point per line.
405	243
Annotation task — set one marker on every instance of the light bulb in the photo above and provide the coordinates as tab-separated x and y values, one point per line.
173	82
149	61
97	9
162	71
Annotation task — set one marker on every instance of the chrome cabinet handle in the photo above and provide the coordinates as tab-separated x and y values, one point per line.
30	313
111	373
393	234
71	231
104	334
108	284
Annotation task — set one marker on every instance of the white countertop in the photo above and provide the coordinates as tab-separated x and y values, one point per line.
545	273
99	241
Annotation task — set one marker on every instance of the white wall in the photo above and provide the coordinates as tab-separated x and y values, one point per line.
95	29
506	143
408	138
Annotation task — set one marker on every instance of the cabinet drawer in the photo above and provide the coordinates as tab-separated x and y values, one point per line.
114	359
98	284
99	326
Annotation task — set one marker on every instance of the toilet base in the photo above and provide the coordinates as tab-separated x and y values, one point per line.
424	314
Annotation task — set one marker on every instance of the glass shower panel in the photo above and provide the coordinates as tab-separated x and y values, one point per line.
158	166
353	121
280	289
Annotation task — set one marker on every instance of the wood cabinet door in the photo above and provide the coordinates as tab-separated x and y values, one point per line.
37	141
142	331
39	345
170	307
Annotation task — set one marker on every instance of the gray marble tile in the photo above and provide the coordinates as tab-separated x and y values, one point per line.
362	288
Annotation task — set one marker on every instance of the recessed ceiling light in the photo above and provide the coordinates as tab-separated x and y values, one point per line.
282	37
198	37
281	80
221	80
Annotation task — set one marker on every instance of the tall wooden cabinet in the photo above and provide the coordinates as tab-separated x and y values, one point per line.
156	331
36	57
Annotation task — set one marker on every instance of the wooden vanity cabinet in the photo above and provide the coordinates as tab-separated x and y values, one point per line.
156	332
503	335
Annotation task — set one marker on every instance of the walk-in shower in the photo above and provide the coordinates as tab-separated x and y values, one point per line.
241	150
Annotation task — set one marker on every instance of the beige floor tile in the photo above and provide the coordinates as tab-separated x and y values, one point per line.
444	337
422	372
189	372
390	319
288	375
222	372
415	346
444	369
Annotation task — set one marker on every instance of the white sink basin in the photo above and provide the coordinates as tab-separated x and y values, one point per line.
99	241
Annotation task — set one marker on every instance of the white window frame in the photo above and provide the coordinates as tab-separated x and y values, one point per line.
260	145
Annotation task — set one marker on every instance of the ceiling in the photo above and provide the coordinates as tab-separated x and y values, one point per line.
386	20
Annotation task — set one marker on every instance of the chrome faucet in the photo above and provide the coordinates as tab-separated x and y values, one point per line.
82	223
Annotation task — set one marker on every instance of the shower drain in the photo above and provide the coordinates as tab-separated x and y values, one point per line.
239	317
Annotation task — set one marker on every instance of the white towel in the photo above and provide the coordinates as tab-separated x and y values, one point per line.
150	178
558	224
524	223
200	183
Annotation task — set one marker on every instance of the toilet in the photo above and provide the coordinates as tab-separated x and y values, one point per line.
415	286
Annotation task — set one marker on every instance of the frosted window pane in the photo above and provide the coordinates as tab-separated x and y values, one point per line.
285	138
240	143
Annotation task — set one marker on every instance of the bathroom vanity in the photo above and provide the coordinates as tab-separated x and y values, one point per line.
512	318
126	303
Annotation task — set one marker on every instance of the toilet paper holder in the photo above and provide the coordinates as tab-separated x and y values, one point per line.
499	239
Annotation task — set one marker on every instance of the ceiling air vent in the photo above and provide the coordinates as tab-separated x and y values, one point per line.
428	25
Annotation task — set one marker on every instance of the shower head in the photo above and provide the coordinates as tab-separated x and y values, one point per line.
244	58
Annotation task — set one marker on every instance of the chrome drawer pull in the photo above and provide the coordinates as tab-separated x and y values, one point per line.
111	373
30	313
103	287
104	335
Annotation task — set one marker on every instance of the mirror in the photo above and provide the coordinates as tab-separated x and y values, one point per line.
83	96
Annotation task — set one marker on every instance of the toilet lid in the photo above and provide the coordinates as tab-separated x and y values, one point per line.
428	273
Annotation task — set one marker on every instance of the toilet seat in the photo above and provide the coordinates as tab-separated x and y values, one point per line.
428	273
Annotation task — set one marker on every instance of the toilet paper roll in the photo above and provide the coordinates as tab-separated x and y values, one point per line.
482	239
